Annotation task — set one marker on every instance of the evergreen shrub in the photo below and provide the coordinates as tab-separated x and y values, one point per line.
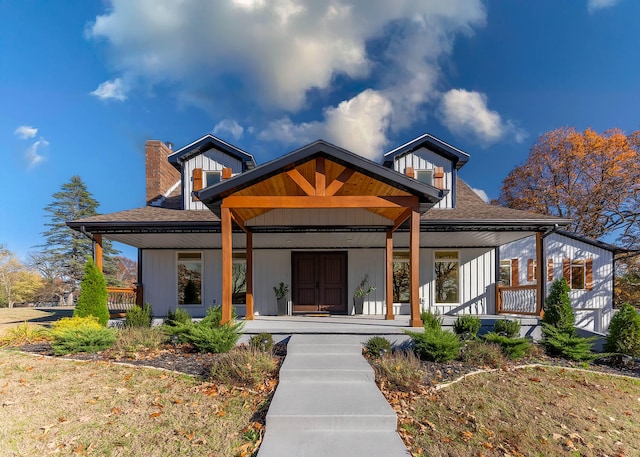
377	346
507	327
514	348
436	345
261	342
466	326
139	316
179	316
92	300
431	320
624	332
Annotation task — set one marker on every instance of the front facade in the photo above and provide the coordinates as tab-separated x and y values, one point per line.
220	229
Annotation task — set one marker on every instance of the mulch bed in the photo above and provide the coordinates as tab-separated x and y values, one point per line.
184	359
181	358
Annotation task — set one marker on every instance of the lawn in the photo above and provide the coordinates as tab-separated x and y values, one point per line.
539	411
51	406
12	317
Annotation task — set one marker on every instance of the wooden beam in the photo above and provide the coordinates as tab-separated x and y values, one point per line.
403	217
97	250
301	181
389	275
337	183
249	278
414	268
356	201
227	264
238	220
320	177
539	273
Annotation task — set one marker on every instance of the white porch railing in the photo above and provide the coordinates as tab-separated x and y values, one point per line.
517	300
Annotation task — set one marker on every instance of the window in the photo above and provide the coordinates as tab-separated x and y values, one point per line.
189	278
425	176
401	278
447	274
505	272
532	270
577	274
212	177
239	279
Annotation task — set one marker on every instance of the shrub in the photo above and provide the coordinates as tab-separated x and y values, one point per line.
261	342
23	334
431	320
567	344
139	316
507	327
400	370
483	354
467	326
82	339
131	340
75	322
436	345
514	348
212	339
214	316
557	308
624	332
377	346
92	300
179	316
243	367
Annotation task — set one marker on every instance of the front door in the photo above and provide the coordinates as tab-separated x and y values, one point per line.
319	282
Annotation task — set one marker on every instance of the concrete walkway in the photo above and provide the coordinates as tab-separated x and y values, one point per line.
327	404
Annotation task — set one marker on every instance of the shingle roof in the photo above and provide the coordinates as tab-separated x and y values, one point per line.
471	208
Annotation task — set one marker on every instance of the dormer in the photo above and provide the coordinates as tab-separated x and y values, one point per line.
432	161
205	162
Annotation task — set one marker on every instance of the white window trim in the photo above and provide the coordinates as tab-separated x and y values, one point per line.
185	251
583	264
434	291
206	176
506	266
404	259
240	257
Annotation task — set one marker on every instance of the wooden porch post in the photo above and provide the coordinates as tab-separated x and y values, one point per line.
540	276
249	277
414	268
227	263
97	250
389	275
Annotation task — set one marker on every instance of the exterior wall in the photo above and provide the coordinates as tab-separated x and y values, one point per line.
593	308
271	266
425	159
211	160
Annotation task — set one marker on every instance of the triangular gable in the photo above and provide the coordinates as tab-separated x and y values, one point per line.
206	143
322	170
458	157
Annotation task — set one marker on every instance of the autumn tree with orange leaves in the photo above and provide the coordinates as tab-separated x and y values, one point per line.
590	178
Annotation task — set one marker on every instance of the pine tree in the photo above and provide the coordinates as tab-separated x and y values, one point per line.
92	300
557	307
65	248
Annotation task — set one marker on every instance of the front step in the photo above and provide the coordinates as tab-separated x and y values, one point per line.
319	367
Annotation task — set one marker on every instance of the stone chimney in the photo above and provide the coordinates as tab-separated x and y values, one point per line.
161	175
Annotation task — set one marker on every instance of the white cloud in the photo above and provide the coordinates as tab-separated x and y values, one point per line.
358	124
595	5
482	194
111	90
24	132
32	154
229	126
466	113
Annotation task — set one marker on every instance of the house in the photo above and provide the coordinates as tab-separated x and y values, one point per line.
586	264
220	229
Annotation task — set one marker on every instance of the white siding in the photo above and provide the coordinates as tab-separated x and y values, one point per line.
593	308
425	159
271	266
211	160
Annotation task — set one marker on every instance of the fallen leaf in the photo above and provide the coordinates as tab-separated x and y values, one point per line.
156	414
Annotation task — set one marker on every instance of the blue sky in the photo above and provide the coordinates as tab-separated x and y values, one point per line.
83	84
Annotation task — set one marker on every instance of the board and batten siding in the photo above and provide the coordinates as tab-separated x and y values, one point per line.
211	160
593	308
425	159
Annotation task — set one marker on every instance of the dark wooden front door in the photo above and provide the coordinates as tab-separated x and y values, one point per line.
319	282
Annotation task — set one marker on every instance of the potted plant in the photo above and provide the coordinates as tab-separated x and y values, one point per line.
281	298
362	291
